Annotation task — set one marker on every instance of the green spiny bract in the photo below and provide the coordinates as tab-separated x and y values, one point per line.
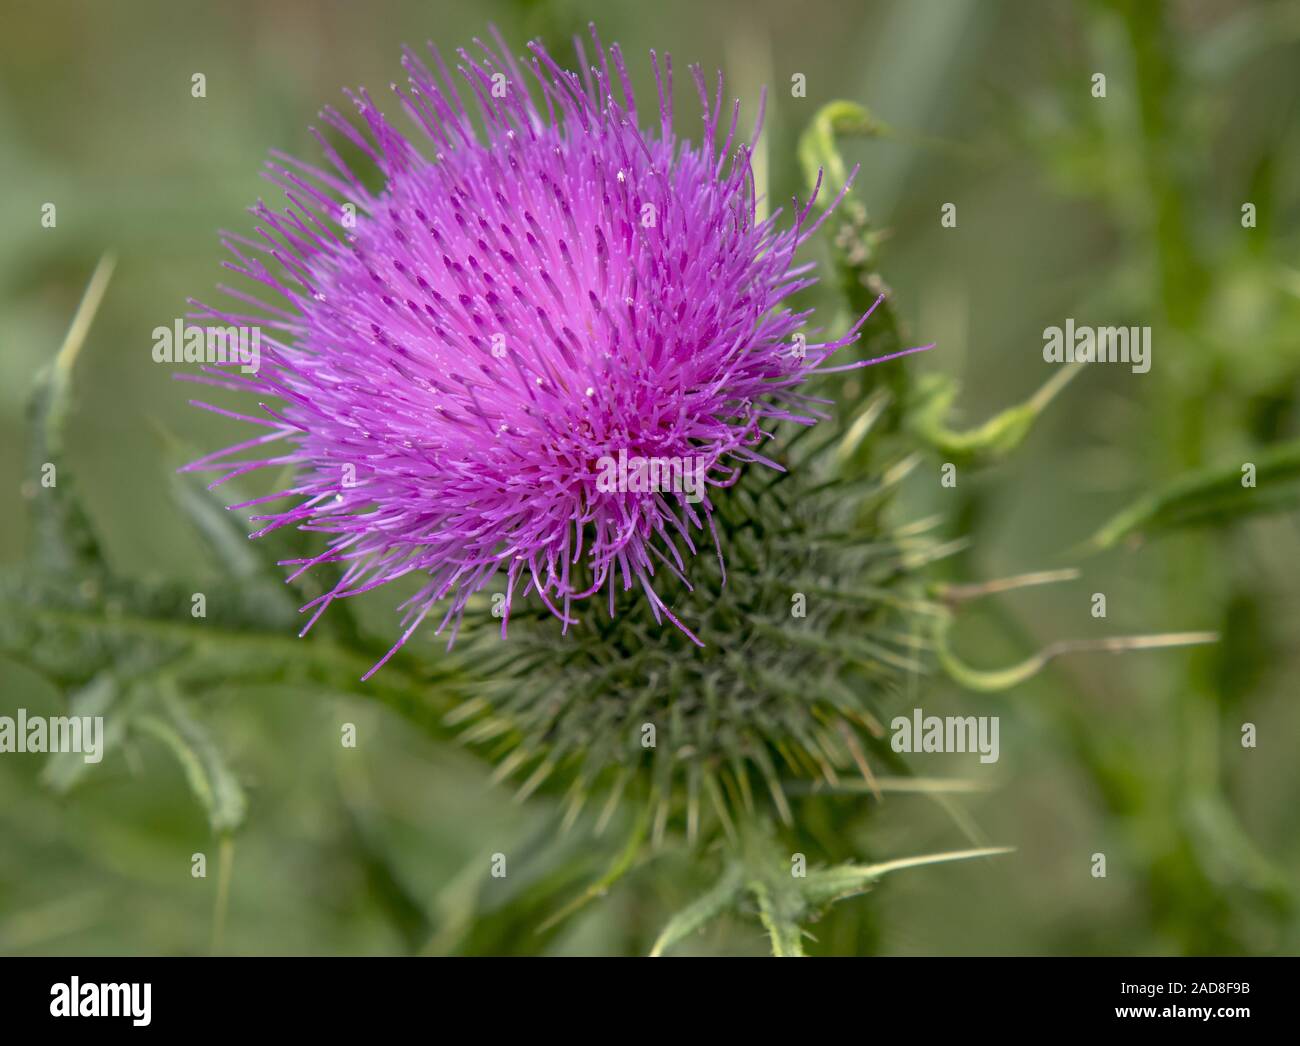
811	635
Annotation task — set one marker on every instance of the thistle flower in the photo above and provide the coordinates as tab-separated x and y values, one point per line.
811	644
456	352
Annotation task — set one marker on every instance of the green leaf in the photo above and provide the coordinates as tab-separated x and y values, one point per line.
996	680
100	697
63	535
985	444
623	861
854	252
1240	38
224	532
514	913
721	897
210	779
825	886
1210	496
819	151
71	629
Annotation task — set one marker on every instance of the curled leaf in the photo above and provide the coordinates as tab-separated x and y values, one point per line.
996	680
984	444
819	151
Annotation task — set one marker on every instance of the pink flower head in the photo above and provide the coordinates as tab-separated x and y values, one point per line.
455	357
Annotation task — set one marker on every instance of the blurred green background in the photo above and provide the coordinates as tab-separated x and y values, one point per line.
1123	210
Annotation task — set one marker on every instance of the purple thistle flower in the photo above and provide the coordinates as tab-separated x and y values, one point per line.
453	355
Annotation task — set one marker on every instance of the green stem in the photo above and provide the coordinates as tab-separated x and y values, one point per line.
225	866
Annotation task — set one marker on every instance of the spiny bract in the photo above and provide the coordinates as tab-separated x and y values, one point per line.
811	642
452	355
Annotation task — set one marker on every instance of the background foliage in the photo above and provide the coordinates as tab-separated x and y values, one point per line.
1124	210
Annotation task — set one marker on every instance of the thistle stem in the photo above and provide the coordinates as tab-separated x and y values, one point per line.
225	865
